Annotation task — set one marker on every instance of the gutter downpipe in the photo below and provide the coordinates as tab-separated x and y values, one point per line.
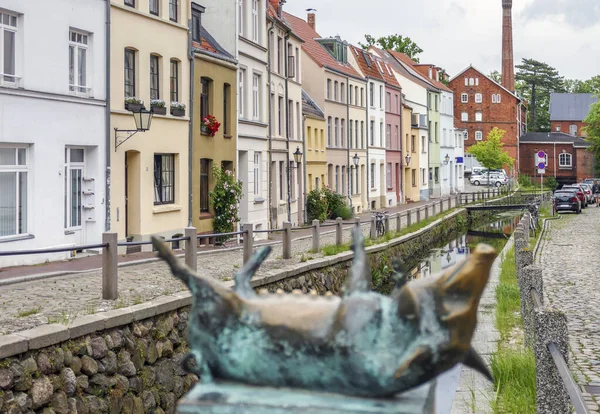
107	122
401	146
429	139
304	175
349	168
270	189
287	129
191	57
368	166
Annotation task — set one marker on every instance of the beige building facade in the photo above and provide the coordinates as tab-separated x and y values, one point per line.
411	148
315	144
149	170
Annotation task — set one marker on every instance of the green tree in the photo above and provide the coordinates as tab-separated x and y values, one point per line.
538	80
225	199
588	86
496	76
593	134
394	42
490	153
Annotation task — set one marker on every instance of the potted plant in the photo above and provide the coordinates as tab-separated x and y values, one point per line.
158	106
133	104
210	125
177	109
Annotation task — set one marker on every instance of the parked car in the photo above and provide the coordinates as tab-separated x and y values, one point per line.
588	193
493	178
590	181
580	193
567	200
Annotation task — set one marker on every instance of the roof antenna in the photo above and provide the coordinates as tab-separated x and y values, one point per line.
309	10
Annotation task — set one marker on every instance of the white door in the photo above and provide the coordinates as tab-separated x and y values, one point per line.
74	169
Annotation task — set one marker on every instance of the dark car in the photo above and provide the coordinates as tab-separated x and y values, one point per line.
580	193
567	200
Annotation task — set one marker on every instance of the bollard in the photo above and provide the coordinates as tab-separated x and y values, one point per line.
418	214
191	248
373	232
426	212
473	195
386	223
530	278
442	205
316	235
110	260
458	201
287	240
248	241
357	221
409	218
338	231
550	327
398	221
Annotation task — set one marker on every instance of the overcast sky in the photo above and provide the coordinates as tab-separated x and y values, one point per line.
455	33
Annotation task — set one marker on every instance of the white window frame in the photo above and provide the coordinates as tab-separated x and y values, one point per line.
478	98
256	96
255	22
568	160
388	175
241	12
478	135
256	168
80	44
466	81
373	175
464	117
70	166
573	129
19	169
242	75
471	82
478	116
9	79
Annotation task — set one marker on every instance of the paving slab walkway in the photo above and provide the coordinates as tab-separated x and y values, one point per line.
570	261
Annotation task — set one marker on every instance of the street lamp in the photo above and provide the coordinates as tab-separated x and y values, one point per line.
446	159
298	155
142	119
356	159
297	159
407	158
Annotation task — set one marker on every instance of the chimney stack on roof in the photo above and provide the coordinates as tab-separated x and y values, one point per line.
311	19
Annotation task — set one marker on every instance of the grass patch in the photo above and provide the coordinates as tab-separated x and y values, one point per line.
335	249
513	366
29	312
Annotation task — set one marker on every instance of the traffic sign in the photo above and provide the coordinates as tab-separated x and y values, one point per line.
541	154
541	165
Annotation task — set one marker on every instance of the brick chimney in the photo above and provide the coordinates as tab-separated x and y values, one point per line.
508	65
311	19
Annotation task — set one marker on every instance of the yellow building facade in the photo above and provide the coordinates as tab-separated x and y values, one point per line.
215	74
314	143
149	170
411	147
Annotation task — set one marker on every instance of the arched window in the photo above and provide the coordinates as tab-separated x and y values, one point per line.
565	160
478	135
478	98
464	97
471	82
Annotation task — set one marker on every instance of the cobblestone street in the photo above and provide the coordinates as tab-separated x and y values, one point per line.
569	259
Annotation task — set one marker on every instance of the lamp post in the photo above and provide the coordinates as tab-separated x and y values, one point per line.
142	119
446	159
297	160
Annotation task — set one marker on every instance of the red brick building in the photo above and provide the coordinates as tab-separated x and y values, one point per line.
567	157
568	110
480	104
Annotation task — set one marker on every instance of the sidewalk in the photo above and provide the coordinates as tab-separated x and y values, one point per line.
89	263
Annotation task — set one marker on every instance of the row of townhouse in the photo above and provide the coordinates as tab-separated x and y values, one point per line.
116	91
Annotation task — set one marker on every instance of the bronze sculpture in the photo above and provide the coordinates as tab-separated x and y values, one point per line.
361	344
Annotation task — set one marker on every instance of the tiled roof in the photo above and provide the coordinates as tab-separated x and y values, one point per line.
310	107
554	137
210	45
425	67
374	67
570	106
314	49
393	62
406	60
487	77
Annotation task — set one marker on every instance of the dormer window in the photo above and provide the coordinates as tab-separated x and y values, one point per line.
336	48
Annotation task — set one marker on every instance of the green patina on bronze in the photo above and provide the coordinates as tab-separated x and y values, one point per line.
361	344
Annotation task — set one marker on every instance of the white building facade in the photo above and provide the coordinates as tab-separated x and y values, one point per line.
53	122
249	45
448	149
376	148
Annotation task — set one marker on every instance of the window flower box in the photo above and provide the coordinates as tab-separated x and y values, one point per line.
133	104
177	109
210	125
158	107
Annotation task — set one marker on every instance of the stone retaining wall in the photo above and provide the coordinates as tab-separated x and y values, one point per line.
129	360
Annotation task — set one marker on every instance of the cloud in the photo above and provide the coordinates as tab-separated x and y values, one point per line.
576	13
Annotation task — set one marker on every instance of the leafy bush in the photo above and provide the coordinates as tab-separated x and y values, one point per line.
334	202
316	206
344	212
525	181
550	183
225	199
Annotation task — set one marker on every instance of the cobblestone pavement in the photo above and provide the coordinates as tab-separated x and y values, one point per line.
570	263
61	299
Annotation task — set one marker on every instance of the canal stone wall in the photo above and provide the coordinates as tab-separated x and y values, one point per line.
129	360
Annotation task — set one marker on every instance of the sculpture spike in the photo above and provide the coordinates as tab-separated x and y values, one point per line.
179	270
474	360
242	278
400	276
359	277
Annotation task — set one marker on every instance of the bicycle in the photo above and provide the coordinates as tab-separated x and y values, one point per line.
379	226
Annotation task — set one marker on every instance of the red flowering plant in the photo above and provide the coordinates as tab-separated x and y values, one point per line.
210	125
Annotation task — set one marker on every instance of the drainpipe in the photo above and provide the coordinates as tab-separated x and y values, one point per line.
401	145
107	122
304	175
191	57
270	189
287	129
429	139
367	146
349	168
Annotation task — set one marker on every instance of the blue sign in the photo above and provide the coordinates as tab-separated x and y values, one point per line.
459	160
541	165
